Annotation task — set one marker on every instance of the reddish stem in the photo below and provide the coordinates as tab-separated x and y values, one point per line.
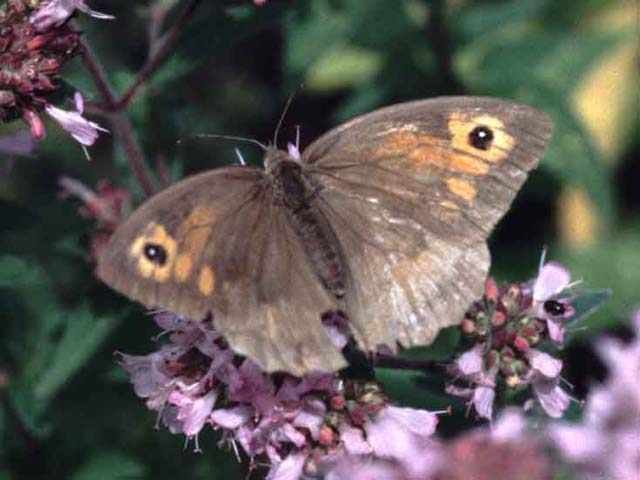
158	53
380	360
119	120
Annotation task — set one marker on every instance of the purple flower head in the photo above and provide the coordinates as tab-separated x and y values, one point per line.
505	327
606	443
53	13
552	280
297	425
505	451
82	130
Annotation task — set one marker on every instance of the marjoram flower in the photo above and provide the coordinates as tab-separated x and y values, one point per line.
606	443
53	13
82	130
504	328
302	427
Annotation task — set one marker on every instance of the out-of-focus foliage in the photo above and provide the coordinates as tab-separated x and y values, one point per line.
67	410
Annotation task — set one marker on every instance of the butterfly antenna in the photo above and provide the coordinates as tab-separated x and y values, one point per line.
225	137
284	113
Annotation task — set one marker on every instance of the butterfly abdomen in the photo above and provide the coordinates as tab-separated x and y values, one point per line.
308	222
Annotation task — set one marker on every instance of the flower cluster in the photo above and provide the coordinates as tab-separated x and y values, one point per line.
606	444
505	328
34	44
311	426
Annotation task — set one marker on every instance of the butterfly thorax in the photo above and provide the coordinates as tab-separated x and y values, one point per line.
293	191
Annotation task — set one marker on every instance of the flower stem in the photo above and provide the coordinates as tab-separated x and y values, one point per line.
380	360
157	55
121	125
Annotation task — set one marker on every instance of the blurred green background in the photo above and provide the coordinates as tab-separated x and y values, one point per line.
67	409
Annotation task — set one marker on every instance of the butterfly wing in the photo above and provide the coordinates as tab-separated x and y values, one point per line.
412	192
221	246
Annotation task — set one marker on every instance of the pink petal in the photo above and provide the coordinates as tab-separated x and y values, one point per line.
556	330
421	423
508	426
82	130
353	440
577	443
470	362
553	400
293	151
194	412
551	280
311	421
289	469
79	101
483	397
290	434
232	418
544	363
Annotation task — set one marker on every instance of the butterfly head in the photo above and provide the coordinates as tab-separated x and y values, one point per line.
274	157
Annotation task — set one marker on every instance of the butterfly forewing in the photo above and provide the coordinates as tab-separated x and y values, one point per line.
413	192
218	245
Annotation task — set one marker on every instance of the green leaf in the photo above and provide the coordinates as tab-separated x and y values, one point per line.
588	302
16	272
110	465
343	67
82	336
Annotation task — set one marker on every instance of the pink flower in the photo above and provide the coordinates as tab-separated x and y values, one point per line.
53	13
544	378
293	151
469	368
505	451
552	280
606	444
289	469
82	130
403	435
193	411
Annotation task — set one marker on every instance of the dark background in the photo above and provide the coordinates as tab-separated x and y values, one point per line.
68	411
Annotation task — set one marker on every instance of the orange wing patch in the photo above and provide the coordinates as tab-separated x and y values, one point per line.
424	151
193	233
461	188
155	234
183	265
206	280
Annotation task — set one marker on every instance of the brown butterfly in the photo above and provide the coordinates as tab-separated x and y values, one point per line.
385	217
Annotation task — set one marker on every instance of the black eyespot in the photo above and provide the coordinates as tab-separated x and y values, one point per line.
553	307
155	253
481	137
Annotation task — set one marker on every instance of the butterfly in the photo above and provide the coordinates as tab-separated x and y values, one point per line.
385	217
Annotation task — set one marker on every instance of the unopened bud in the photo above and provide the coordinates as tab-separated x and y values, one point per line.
521	344
498	319
491	289
467	326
